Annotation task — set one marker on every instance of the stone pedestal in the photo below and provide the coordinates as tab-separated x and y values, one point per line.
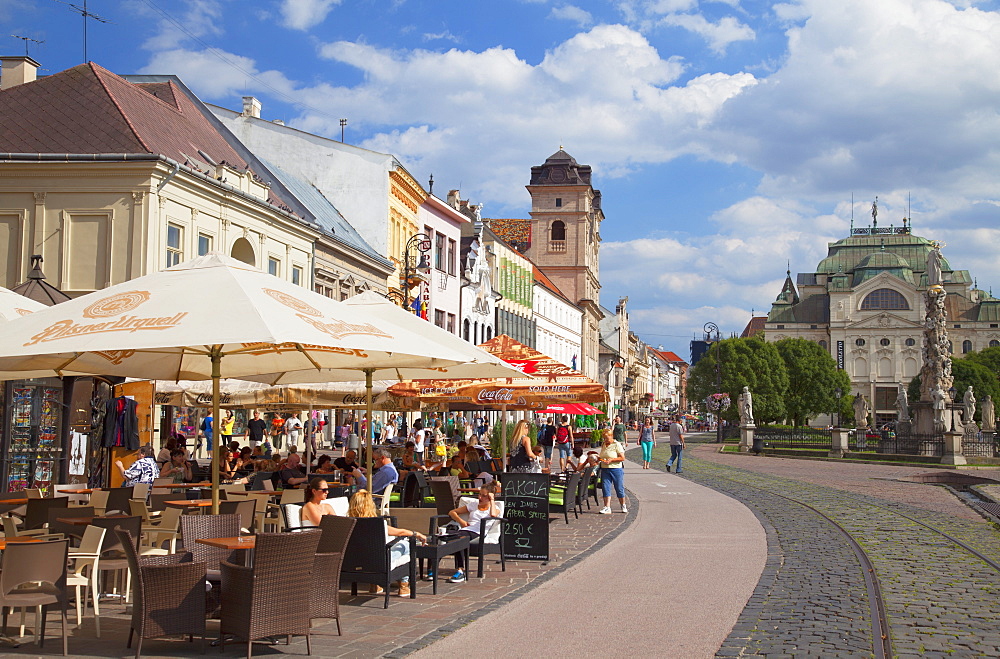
953	449
746	437
838	447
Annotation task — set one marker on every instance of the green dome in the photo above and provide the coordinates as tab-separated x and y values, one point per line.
882	260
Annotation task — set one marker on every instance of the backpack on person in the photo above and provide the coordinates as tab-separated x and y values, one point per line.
562	435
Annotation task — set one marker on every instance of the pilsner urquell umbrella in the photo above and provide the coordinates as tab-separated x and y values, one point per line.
14	305
214	317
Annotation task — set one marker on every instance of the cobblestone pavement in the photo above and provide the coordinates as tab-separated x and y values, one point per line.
811	599
369	630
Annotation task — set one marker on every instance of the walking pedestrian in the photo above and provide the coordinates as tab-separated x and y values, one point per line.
619	430
612	459
676	444
647	439
564	441
546	438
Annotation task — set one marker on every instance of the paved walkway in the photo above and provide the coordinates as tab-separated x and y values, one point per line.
673	585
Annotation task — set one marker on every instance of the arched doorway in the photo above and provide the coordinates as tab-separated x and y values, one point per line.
243	251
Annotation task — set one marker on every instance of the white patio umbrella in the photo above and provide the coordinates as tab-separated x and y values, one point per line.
215	317
14	305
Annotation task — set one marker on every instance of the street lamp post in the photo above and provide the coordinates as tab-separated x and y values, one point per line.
711	328
421	244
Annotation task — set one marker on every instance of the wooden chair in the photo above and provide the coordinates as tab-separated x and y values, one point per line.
335	535
266	599
85	571
34	575
368	558
169	597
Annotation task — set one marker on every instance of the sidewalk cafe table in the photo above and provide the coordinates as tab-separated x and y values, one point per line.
436	549
245	543
199	504
84	521
179	486
4	541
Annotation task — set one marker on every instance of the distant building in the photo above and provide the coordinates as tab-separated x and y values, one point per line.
754	327
864	304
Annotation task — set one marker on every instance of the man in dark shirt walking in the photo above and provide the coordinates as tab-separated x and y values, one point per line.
256	427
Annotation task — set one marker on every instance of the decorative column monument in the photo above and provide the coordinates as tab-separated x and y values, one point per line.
747	425
935	413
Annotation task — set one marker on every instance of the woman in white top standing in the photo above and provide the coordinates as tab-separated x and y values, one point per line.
612	461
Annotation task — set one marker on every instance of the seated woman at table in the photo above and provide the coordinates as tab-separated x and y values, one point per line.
262	469
243	461
362	505
316	506
178	469
485	508
456	467
226	471
324	465
409	459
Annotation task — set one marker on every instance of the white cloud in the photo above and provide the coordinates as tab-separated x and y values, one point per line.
718	35
444	35
188	19
213	79
572	13
304	14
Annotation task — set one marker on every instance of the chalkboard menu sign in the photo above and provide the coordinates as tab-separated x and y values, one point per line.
526	517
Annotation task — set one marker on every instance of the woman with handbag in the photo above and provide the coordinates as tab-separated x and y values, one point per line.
612	461
523	460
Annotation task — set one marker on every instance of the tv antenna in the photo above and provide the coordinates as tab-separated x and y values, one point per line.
85	14
26	40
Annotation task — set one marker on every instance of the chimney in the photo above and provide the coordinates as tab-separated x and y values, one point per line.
453	199
251	107
17	71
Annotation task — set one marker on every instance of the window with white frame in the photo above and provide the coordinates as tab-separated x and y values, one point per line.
274	266
175	238
204	244
296	275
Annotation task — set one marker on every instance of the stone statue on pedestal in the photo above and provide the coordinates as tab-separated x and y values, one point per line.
989	420
860	411
969	403
902	405
745	402
934	266
938	404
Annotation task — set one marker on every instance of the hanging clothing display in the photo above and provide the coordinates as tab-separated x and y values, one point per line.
121	424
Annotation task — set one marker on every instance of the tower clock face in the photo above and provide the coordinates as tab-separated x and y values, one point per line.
557	175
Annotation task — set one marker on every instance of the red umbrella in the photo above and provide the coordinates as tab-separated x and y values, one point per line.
571	408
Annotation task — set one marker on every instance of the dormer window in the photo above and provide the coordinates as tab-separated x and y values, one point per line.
884	299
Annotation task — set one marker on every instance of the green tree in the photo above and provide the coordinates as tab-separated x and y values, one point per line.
813	377
752	363
990	358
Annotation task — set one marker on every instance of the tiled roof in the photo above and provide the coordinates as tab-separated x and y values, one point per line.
515	232
668	356
88	109
755	326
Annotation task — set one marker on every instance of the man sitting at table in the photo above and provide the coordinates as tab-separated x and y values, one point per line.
292	474
346	464
385	472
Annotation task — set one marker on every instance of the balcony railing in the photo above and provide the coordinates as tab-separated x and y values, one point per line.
557	245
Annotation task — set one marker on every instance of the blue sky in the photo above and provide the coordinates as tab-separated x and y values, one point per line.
727	137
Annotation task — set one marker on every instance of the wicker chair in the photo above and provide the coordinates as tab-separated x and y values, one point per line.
33	575
490	538
563	498
169	596
194	527
445	491
265	600
336	533
368	559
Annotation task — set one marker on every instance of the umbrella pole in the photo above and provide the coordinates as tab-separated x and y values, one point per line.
503	434
310	437
368	428
216	452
